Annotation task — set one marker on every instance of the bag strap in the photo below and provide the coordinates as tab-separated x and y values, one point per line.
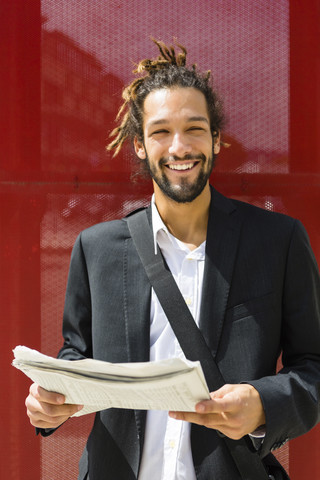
188	334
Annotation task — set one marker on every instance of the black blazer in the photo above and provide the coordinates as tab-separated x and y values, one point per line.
260	298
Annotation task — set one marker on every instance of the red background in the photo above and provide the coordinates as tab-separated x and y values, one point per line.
63	65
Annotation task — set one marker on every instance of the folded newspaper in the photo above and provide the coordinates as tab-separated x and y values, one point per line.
172	384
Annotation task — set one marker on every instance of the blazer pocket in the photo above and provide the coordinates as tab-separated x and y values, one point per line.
252	307
250	340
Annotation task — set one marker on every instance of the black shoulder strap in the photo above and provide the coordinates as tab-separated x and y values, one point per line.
188	334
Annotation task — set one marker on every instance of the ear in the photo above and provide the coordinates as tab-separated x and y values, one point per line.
216	144
139	148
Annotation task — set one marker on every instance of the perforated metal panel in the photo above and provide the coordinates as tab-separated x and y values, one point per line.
65	63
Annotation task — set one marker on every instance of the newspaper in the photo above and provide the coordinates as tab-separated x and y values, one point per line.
173	384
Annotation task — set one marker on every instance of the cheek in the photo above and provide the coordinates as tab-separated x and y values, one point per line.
204	145
155	152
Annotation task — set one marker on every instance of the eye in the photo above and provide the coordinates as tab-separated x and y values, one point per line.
196	129
159	133
156	132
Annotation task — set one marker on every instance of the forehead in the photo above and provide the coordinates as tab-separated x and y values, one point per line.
178	103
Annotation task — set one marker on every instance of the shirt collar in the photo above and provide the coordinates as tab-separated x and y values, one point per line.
158	225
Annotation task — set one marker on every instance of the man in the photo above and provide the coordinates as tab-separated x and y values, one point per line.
248	276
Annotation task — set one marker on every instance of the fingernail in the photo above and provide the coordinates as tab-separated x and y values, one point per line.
172	414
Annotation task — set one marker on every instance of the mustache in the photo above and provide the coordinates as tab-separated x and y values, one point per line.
201	157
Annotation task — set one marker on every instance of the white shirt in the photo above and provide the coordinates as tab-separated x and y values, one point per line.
167	450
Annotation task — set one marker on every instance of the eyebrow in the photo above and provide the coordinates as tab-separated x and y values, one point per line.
198	119
161	121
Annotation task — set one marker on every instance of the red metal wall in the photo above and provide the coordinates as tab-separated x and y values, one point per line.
63	65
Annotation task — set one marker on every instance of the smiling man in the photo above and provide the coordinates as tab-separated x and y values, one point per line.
178	143
179	148
248	276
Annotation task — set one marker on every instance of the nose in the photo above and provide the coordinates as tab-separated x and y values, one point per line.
179	146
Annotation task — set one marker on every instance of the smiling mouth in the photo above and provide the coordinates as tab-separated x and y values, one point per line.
181	166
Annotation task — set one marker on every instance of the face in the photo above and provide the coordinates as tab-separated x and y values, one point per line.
178	144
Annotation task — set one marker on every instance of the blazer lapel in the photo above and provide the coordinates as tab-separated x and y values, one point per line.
224	228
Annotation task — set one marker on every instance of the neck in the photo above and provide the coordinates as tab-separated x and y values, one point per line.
186	221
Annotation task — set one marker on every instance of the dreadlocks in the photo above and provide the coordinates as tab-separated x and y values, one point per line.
166	71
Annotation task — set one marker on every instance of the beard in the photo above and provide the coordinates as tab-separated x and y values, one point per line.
185	191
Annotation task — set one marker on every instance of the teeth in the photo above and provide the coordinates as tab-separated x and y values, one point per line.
177	166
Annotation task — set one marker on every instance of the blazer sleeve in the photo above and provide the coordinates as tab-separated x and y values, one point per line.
77	315
77	311
291	398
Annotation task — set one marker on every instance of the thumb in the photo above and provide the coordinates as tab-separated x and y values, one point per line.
221	392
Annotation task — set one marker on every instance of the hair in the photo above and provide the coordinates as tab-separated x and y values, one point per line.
168	70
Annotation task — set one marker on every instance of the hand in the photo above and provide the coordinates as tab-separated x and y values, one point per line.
234	410
47	409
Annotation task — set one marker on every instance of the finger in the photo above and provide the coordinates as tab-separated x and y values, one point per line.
47	415
51	410
45	424
48	404
43	395
43	421
218	406
231	427
208	406
212	420
222	401
221	392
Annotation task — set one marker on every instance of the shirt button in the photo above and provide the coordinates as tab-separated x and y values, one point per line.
172	444
189	301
